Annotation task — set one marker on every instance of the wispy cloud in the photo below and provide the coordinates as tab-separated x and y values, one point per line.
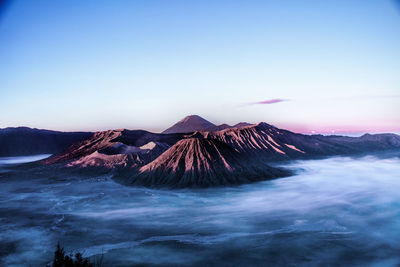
269	101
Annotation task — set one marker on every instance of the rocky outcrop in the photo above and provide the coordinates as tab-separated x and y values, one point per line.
104	161
121	147
99	141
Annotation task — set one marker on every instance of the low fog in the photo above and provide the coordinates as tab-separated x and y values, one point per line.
343	210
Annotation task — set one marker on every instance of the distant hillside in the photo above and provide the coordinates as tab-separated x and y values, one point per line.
22	141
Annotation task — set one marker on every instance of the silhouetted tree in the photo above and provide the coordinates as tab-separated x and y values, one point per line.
62	260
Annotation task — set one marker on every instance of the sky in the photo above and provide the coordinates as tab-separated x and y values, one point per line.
307	66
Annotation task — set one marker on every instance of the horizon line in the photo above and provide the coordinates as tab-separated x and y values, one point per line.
292	129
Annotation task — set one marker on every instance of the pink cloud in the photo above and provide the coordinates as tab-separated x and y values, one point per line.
269	101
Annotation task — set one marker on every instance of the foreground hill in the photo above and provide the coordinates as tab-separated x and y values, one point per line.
202	162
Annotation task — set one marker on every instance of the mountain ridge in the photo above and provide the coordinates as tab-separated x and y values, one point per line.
228	156
193	123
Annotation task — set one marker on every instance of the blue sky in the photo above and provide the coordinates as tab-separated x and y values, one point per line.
95	65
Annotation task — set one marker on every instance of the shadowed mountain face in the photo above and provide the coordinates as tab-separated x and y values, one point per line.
22	141
233	155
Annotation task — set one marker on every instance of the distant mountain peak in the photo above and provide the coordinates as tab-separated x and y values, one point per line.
193	123
264	124
191	117
189	124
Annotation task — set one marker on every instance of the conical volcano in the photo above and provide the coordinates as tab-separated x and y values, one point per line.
199	162
189	124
